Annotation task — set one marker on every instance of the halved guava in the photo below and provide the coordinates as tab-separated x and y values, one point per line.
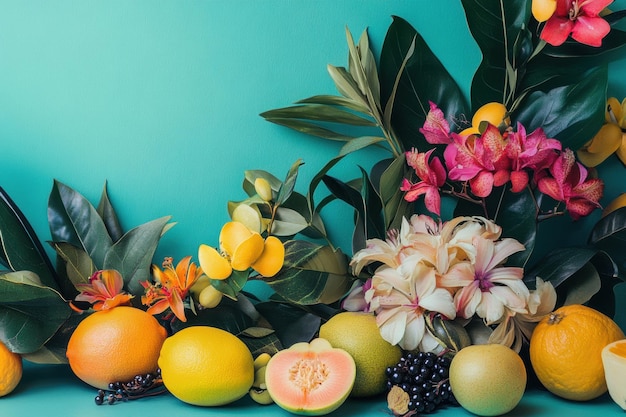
310	378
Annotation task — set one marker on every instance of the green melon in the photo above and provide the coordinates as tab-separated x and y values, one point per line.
310	378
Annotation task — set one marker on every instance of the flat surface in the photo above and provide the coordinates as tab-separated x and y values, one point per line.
53	390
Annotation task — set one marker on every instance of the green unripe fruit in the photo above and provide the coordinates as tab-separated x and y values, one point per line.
210	297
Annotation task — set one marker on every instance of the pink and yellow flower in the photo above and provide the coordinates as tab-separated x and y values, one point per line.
171	287
104	290
432	175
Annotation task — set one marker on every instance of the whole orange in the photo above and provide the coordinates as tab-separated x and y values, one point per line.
115	345
10	370
566	351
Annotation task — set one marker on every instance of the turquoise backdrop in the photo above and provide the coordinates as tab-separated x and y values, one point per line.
161	99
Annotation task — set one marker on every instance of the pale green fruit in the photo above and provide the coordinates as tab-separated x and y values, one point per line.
210	297
263	189
487	380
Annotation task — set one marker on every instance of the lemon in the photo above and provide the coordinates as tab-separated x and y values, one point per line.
10	370
358	334
206	366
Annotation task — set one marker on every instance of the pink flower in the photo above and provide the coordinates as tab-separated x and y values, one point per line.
480	159
578	18
436	129
486	288
529	152
432	175
104	291
570	185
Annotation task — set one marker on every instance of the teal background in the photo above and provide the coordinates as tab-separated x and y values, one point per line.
161	99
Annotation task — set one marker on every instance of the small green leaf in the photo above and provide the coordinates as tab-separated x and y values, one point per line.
289	183
108	215
332	101
310	129
320	113
345	84
257	332
30	313
78	264
288	222
359	143
582	285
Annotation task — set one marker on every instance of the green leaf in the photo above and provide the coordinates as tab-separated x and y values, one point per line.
132	255
30	313
569	106
582	285
320	113
109	217
74	220
312	274
331	101
310	129
345	84
359	143
292	324
288	222
619	296
289	183
495	26
609	234
225	316
388	187
78	264
424	79
21	248
250	177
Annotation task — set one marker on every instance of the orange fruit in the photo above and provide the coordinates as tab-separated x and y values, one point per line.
206	366
10	370
115	345
566	351
614	360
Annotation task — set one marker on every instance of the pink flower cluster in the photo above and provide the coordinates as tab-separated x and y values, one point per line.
493	159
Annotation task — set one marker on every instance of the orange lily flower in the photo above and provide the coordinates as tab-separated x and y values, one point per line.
104	290
171	286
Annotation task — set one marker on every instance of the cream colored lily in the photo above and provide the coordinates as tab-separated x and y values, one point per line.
240	250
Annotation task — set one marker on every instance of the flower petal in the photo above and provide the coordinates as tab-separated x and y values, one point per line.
247	252
271	259
213	264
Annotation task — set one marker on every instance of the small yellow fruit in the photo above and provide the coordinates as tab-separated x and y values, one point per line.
201	283
10	370
206	366
263	189
493	113
210	297
614	361
487	380
358	334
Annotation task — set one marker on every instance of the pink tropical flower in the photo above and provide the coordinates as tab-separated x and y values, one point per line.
533	152
432	175
487	288
581	19
481	160
401	297
104	290
570	185
436	129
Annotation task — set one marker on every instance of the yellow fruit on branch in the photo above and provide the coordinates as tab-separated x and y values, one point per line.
566	351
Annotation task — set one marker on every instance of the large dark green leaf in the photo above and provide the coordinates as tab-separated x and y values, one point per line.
225	316
312	274
495	26
609	234
132	255
424	79
73	219
30	313
568	106
387	176
21	248
292	324
108	215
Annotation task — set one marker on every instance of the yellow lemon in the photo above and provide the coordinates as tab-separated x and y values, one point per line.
10	370
206	366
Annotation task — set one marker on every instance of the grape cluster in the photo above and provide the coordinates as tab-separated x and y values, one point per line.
424	377
141	386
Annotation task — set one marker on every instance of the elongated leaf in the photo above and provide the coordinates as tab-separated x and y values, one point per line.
331	101
109	217
288	222
359	143
289	183
310	129
425	79
30	313
74	220
387	176
319	112
345	84
495	26
21	249
132	255
78	264
312	274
